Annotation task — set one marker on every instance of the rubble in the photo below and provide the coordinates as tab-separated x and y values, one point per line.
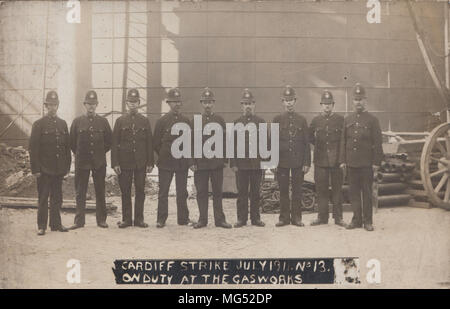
15	171
16	178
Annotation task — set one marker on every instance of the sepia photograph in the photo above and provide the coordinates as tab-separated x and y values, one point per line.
225	144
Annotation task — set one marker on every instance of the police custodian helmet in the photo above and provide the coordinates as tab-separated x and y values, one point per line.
91	97
133	95
247	96
207	95
51	98
173	95
288	93
359	92
327	97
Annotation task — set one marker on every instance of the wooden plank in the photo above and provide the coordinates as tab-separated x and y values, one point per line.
415	184
421	193
23	202
418	204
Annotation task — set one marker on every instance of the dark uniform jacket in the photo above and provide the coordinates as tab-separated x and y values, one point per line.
325	134
293	140
90	140
247	163
132	145
49	146
204	163
361	141
162	140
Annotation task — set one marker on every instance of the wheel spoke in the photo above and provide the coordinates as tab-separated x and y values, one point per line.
435	159
447	192
447	142
441	148
441	183
439	172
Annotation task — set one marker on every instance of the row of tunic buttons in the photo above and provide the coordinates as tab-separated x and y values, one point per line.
357	124
92	135
134	134
328	150
57	139
290	137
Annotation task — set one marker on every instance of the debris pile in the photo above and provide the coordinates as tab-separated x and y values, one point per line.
15	171
16	178
270	197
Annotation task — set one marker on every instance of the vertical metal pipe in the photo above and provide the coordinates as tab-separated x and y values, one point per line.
125	54
44	61
446	42
446	50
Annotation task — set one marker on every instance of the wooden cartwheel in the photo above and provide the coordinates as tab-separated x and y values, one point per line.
435	166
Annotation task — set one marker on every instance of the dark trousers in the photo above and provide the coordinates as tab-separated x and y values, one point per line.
360	183
246	178
81	186
165	178
290	211
323	176
125	181
49	186
201	179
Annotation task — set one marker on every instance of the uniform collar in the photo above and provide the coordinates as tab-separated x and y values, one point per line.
208	115
364	112
251	116
327	115
289	114
173	114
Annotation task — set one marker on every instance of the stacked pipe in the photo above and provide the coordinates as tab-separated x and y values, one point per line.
393	177
395	172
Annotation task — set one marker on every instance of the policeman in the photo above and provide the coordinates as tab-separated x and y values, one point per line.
325	134
50	160
132	157
209	168
168	165
295	159
361	154
90	140
248	170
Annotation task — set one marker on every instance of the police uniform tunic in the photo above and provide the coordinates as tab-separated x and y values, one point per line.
249	174
361	148
294	154
90	138
49	149
132	150
325	135
210	168
168	166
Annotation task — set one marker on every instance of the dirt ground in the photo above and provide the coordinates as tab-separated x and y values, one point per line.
413	246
